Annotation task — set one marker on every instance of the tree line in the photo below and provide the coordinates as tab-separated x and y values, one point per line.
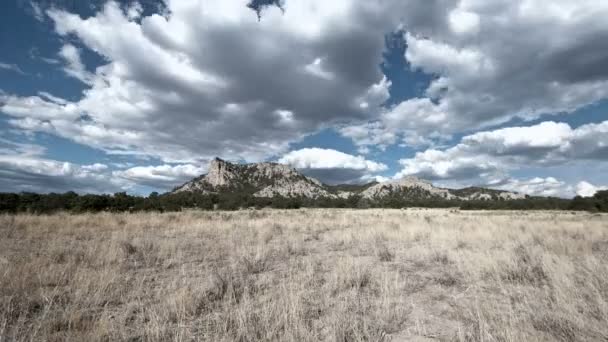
122	202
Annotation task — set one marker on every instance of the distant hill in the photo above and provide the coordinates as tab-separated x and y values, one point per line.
278	180
259	179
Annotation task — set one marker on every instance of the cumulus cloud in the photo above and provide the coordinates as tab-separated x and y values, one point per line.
38	174
491	154
331	166
586	189
162	176
211	78
498	60
174	88
369	134
23	167
536	186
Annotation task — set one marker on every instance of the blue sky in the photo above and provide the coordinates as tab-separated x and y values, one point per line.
138	96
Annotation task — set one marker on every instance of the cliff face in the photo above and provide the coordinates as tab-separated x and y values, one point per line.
272	179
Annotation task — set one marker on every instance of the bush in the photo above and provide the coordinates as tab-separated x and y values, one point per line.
120	202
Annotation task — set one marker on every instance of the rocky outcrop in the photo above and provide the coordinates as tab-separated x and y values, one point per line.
411	187
259	179
272	179
483	194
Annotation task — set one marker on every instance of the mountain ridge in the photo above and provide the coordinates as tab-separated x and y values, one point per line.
268	179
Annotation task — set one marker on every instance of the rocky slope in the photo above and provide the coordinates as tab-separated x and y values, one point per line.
259	179
415	188
272	179
410	187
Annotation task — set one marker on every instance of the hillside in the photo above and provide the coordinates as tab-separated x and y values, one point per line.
258	179
278	180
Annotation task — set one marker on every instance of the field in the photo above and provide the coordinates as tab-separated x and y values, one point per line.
305	275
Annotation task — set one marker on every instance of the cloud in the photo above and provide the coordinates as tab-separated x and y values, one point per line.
9	147
37	11
37	174
369	134
210	78
23	167
161	176
34	53
227	83
331	166
12	67
491	154
586	189
74	66
173	88
439	165
536	186
494	61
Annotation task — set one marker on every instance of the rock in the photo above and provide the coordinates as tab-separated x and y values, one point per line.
260	179
412	186
273	179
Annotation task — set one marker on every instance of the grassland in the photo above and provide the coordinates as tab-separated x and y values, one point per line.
305	275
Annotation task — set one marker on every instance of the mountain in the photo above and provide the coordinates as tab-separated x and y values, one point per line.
259	179
273	179
477	193
409	187
415	188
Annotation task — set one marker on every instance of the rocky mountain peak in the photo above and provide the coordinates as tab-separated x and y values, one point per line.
269	179
261	179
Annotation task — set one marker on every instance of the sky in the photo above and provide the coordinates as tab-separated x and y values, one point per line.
138	96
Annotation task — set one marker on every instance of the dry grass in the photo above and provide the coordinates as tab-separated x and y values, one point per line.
305	275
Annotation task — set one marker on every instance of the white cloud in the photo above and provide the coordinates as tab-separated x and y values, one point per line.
74	66
167	80
464	22
487	158
45	107
492	154
519	63
369	134
23	167
9	147
12	67
499	60
536	186
162	176
315	68
134	11
33	173
331	166
436	165
319	158
586	189
207	78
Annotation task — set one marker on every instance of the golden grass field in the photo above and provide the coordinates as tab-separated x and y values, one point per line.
305	275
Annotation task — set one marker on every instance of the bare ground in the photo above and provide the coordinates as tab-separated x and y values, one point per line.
305	275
